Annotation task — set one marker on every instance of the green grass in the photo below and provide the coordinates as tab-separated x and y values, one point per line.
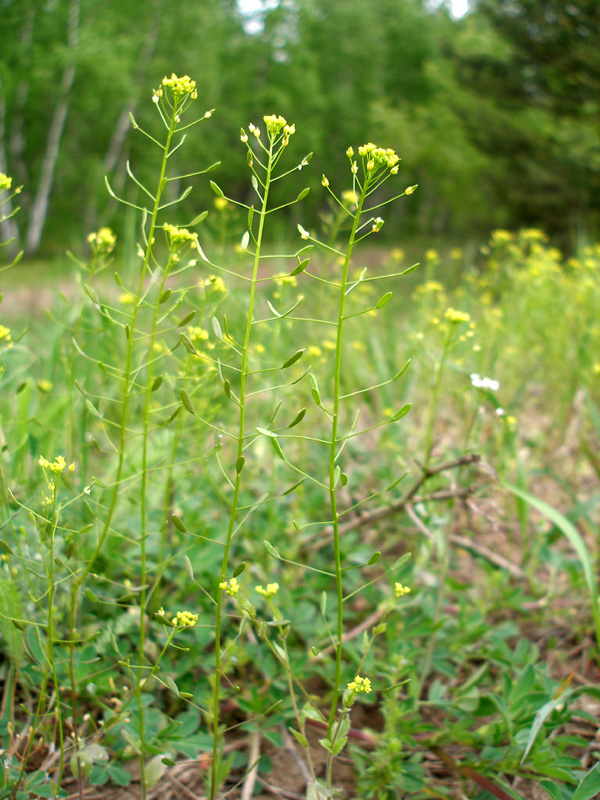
193	475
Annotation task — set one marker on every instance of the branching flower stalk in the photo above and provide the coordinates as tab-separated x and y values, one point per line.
172	99
278	136
377	166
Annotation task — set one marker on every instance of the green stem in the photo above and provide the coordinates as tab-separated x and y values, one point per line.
437	384
332	466
237	485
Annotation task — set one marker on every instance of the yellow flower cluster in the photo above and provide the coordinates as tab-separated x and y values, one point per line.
103	241
400	590
5	337
269	592
179	237
275	125
197	334
215	283
57	466
5	182
360	685
232	587
179	86
282	278
457	316
378	157
185	619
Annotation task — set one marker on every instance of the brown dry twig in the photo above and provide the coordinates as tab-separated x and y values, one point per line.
318	540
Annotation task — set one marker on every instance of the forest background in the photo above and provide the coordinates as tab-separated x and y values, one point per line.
496	114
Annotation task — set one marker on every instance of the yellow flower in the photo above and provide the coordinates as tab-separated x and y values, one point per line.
180	86
457	316
231	587
56	466
185	619
269	592
400	590
103	241
5	182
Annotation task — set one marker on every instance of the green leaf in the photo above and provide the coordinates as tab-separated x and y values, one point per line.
300	738
292	359
589	786
402	413
401	371
301	267
266	432
164	296
298	418
374	558
216	189
187	344
187	319
576	541
271	550
303	194
239	464
186	401
250	217
200	218
227	388
157	383
239	569
383	301
178	523
216	327
277	447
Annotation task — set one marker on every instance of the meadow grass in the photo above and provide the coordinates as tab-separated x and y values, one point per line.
247	489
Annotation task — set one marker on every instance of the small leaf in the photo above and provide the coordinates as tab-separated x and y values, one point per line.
277	447
298	418
164	296
336	475
239	569
157	383
185	341
216	189
200	218
401	371
301	267
188	567
216	327
245	240
265	432
239	464
178	523
410	269
402	413
383	301
303	194
187	319
186	401
292	359
589	785
271	550
339	745
300	738
344	479
374	558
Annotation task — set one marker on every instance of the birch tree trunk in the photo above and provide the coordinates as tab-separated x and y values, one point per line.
113	159
39	207
8	227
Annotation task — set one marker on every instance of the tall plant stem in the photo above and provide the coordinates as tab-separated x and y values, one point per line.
332	466
124	414
237	484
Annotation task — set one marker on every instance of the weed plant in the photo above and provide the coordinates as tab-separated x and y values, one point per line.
207	500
